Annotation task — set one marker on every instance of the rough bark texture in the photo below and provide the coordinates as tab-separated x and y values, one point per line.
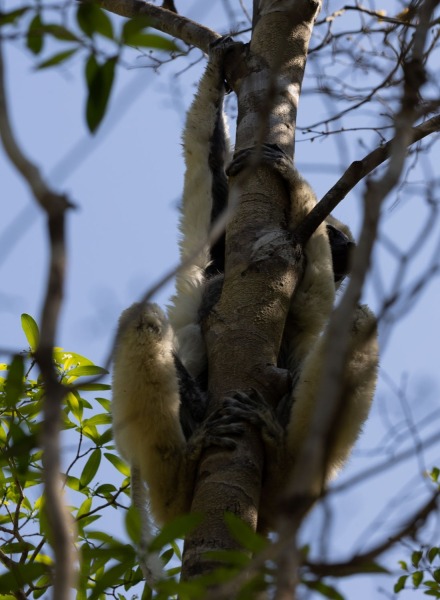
243	334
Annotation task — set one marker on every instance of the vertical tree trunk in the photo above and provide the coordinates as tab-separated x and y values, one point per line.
243	334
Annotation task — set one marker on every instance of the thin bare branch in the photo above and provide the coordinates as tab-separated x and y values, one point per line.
357	171
55	206
353	566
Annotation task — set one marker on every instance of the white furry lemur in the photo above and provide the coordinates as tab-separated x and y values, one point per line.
159	377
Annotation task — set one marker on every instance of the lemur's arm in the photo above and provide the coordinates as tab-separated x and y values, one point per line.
206	151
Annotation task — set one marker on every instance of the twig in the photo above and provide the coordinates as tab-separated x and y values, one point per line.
354	174
352	566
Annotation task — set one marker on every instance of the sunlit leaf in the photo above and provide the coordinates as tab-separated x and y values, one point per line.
87	371
102	419
84	508
120	465
14	383
91	467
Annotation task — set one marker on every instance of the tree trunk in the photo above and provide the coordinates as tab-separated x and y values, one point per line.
243	334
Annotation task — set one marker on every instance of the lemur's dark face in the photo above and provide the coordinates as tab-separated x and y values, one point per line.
342	248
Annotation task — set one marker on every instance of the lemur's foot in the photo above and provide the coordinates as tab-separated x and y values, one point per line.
216	430
266	154
253	408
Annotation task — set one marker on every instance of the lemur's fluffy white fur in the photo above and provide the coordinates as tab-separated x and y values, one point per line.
313	299
195	219
145	409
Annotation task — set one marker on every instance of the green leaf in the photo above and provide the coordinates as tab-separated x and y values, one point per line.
102	419
435	473
22	574
432	553
68	359
119	464
35	41
416	558
244	534
436	575
417	578
110	577
84	508
93	19
105	438
400	585
9	17
93	387
60	33
152	40
73	483
105	489
91	467
56	59
105	403
177	528
99	81
403	565
133	27
325	590
87	371
73	401
133	525
14	385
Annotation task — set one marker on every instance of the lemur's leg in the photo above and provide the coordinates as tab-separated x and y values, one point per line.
206	150
283	440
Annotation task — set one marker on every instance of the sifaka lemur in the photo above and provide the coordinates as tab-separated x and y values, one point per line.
159	394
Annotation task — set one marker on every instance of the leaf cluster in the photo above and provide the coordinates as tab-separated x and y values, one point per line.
422	572
57	36
89	464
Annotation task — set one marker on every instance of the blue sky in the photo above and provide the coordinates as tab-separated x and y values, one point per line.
127	181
